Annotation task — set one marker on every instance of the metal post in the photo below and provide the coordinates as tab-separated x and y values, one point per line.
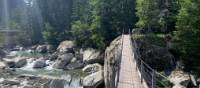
152	80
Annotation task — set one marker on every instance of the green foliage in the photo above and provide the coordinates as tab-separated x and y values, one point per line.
157	15
154	39
86	27
147	11
49	33
56	16
187	37
116	16
97	22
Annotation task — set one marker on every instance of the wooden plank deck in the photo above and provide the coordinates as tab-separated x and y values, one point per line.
128	75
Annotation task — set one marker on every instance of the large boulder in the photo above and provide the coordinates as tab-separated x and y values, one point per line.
16	62
41	49
91	56
93	80
179	79
91	68
112	58
66	47
20	63
39	64
57	84
53	56
74	65
79	56
50	48
10	64
63	61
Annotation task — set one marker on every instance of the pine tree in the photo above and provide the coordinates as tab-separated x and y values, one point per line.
157	15
187	34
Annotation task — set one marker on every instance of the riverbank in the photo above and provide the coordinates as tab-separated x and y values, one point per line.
64	65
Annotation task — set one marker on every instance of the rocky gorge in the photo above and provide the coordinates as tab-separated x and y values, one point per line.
47	66
65	66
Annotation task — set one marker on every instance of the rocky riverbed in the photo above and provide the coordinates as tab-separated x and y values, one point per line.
46	66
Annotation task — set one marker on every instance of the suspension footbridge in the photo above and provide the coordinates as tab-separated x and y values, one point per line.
134	72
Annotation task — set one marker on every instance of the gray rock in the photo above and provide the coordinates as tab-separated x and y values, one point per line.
46	85
111	62
20	63
39	64
193	79
179	79
53	57
41	49
66	47
73	60
74	65
93	80
63	61
9	82
91	68
50	48
79	56
91	56
27	86
55	83
10	64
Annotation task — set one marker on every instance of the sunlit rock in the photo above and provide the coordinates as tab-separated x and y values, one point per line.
91	68
111	62
93	80
66	47
180	79
41	49
63	61
92	56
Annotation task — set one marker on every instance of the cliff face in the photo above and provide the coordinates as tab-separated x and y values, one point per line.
111	62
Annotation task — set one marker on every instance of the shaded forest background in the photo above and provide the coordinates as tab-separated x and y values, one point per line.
95	23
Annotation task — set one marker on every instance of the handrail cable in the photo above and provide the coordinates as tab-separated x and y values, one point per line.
152	78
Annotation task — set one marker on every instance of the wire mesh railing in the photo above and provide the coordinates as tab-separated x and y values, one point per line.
152	78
